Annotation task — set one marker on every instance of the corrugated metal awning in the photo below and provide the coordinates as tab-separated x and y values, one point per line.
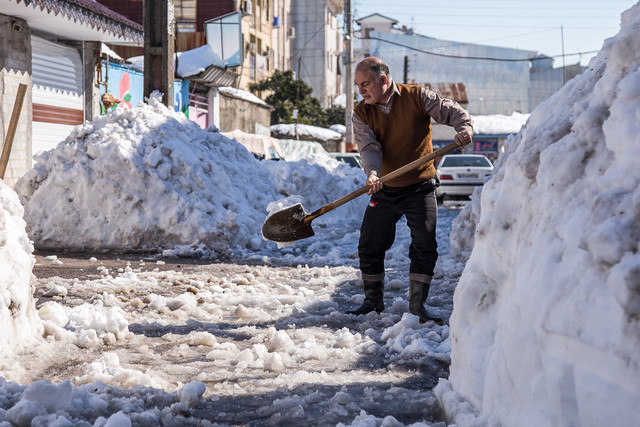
455	91
215	76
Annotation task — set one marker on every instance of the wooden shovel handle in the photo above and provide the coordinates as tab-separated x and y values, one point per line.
391	175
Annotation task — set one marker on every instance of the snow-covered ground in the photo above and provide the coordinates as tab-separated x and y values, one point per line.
256	335
542	266
258	339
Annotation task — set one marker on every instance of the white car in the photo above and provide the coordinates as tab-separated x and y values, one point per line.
352	159
459	174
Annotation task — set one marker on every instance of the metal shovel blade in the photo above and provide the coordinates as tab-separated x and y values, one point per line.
287	225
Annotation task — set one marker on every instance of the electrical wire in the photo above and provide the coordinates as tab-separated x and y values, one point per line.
482	58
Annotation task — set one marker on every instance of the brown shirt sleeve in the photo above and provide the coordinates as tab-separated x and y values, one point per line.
368	146
447	112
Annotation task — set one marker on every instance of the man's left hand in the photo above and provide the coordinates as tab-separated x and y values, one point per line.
463	138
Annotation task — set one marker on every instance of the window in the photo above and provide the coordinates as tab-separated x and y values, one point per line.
461	161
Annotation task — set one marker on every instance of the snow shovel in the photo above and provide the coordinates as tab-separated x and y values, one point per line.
293	223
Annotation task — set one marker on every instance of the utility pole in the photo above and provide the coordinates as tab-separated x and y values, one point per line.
564	69
406	70
295	110
158	18
348	56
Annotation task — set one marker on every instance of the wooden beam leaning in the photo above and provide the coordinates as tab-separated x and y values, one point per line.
11	132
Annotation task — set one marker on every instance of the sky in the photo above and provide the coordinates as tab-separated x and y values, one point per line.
529	24
538	276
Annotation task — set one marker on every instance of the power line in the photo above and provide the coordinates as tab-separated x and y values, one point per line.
483	58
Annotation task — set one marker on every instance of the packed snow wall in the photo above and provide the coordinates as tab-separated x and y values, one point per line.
546	322
19	322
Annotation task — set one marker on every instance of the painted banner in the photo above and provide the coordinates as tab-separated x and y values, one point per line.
127	85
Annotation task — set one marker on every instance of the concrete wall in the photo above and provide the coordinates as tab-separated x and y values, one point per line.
15	68
244	115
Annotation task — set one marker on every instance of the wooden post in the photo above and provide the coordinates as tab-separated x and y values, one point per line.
158	49
11	132
348	62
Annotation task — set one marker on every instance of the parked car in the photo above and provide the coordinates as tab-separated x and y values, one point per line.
353	159
459	174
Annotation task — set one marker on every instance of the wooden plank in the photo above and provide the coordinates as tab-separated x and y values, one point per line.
11	132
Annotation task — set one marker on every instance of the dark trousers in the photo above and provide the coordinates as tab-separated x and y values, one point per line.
378	231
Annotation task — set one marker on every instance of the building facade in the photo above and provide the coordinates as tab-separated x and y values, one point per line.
316	57
267	32
485	79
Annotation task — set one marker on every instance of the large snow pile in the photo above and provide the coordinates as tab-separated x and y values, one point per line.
143	179
148	179
546	324
18	316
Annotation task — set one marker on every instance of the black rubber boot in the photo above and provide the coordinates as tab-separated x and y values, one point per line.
418	292
373	298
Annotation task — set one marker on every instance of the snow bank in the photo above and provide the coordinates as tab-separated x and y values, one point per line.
546	325
145	179
18	318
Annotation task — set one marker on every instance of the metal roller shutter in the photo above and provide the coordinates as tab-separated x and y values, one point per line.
58	101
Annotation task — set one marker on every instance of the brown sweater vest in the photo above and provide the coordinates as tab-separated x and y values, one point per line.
404	134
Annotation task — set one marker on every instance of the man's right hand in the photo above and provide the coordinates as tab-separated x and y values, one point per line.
375	183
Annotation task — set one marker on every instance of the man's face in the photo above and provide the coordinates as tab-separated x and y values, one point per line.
370	87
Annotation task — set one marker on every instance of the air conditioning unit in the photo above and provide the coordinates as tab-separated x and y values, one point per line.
247	7
291	33
252	47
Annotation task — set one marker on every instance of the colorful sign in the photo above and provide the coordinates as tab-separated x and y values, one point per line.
127	85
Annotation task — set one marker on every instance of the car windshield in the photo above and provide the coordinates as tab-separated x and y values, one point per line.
473	161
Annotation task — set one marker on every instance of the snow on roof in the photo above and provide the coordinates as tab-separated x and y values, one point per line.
195	61
341	129
306	132
241	94
104	49
498	124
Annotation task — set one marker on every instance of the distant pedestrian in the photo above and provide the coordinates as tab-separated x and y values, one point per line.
392	128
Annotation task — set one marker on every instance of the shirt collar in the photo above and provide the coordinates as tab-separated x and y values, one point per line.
395	90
